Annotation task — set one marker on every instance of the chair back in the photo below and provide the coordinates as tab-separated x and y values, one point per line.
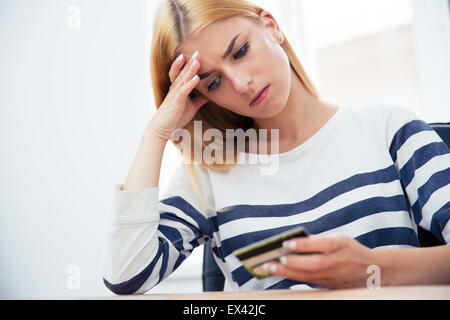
212	277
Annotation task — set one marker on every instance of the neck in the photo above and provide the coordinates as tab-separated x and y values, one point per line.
302	116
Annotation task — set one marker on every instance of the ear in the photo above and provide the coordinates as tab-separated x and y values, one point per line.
272	26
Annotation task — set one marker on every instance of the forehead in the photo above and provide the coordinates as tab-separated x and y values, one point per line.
213	39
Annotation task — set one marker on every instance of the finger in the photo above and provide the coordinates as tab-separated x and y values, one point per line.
189	71
310	262
183	69
315	243
293	274
188	86
176	66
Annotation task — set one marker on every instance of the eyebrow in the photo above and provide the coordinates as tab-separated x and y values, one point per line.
226	54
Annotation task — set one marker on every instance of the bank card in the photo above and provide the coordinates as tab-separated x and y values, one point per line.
256	254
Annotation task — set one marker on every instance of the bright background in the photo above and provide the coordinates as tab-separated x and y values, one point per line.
75	97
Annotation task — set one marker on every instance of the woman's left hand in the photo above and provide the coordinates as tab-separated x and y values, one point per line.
340	261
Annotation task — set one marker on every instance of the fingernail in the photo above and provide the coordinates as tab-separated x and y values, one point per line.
269	267
180	57
194	78
289	244
195	55
283	260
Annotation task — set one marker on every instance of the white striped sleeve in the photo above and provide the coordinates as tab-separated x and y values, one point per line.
149	237
422	160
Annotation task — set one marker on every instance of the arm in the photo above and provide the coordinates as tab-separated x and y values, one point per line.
422	161
343	262
149	237
146	167
414	266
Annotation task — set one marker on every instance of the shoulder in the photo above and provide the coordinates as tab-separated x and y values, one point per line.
390	115
191	183
388	121
184	175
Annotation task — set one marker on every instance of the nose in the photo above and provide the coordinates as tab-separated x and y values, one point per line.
240	81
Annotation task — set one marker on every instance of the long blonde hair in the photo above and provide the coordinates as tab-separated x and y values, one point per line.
176	20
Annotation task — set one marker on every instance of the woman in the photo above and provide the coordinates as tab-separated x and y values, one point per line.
359	179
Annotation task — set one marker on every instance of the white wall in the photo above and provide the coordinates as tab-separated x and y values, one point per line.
73	104
432	44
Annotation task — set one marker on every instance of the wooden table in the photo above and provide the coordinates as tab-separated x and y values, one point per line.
438	292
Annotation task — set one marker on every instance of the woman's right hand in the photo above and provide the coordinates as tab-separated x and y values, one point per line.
178	108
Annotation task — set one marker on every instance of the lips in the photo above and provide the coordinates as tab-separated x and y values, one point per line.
258	94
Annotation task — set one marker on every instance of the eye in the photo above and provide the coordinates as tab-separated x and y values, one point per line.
242	52
214	85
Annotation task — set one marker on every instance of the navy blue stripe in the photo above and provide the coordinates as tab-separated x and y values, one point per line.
389	236
173	217
198	236
419	158
205	225
212	221
218	252
165	259
132	285
327	222
241	275
417	212
173	235
244	211
404	133
372	239
180	259
199	241
437	180
439	221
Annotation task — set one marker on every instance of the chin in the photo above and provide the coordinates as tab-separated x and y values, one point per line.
275	106
273	111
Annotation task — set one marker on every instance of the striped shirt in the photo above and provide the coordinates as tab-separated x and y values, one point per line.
373	173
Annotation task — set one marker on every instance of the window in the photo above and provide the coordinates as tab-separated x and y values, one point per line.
363	51
388	52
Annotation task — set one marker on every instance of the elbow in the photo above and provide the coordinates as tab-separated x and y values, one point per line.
129	287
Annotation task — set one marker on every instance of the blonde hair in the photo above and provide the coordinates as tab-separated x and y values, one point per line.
176	20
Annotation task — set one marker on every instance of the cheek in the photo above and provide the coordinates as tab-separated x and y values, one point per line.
282	63
279	74
276	62
284	71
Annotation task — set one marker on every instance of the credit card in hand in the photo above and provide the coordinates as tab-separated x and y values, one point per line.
256	254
